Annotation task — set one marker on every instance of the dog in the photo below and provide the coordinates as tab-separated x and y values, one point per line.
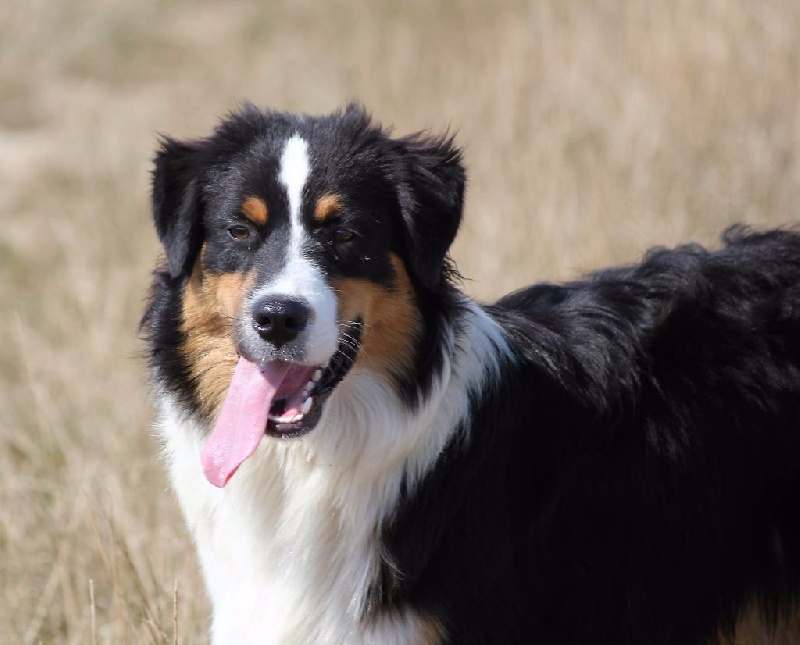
363	454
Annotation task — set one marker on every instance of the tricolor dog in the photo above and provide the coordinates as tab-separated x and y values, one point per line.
365	455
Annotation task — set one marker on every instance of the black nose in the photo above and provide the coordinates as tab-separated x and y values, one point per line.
279	319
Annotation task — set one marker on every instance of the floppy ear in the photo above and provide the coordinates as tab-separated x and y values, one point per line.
431	197
176	203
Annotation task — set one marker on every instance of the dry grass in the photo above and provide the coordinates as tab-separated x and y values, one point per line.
593	130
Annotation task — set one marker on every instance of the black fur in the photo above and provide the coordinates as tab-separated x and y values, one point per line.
177	203
633	478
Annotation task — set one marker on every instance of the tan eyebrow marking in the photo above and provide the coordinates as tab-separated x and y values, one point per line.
327	205
255	210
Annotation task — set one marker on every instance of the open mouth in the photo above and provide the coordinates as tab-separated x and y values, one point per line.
279	398
298	402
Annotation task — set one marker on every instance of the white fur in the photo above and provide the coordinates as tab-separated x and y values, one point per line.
300	277
294	171
290	546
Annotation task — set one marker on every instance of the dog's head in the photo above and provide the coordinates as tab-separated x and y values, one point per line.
301	246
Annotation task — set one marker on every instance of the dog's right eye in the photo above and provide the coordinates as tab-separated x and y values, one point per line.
239	232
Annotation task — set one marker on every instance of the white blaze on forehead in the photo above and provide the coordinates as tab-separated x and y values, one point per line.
300	277
294	174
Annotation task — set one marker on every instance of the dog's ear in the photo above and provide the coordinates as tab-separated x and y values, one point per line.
431	196
177	203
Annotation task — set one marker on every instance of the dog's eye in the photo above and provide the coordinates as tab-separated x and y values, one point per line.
341	235
239	232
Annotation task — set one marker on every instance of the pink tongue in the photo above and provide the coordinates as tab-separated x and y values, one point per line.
243	419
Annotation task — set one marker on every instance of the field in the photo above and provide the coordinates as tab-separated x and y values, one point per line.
592	130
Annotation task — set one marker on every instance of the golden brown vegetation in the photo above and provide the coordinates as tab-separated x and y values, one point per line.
593	129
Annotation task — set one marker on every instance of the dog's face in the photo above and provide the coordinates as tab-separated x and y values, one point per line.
302	246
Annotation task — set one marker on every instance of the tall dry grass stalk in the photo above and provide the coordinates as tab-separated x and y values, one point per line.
593	129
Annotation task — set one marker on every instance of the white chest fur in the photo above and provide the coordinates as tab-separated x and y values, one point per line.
290	546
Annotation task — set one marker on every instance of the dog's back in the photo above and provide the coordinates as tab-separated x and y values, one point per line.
665	434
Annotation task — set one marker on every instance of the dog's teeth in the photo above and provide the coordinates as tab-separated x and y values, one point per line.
306	405
309	387
317	375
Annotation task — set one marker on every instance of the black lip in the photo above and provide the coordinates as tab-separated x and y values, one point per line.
341	363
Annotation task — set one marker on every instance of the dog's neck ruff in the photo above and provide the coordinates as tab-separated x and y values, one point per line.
291	547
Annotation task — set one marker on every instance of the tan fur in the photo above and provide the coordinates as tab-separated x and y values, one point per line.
211	302
255	209
417	628
327	206
432	631
392	320
751	629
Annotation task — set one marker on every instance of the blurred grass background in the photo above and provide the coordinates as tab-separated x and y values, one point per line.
593	129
